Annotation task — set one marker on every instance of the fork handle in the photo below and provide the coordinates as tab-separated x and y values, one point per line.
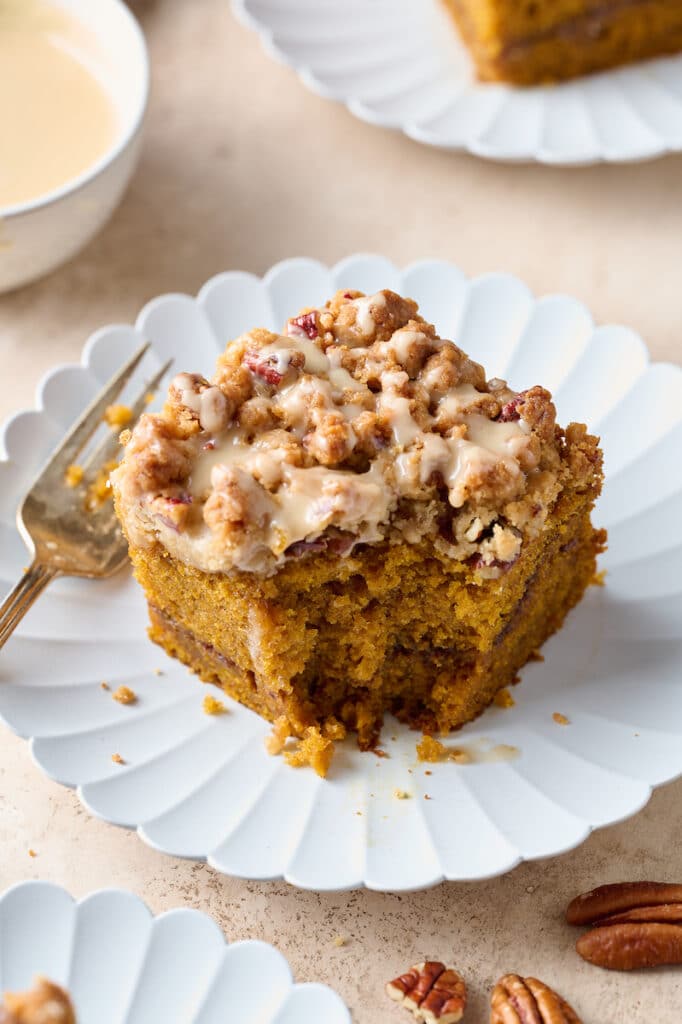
32	583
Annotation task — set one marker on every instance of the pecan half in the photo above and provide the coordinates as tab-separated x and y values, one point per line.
613	899
432	992
517	1000
627	947
44	1002
670	913
638	924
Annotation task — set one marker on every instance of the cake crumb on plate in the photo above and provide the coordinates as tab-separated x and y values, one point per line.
504	699
314	750
275	742
73	476
118	416
431	750
117	759
99	490
561	719
213	706
124	695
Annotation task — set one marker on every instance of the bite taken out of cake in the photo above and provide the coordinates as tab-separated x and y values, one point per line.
528	43
348	520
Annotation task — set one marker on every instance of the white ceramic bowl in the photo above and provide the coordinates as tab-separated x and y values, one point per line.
39	235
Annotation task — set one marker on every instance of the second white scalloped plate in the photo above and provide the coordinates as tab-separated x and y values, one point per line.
400	64
121	965
202	787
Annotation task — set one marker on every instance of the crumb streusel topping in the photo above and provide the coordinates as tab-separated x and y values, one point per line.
358	424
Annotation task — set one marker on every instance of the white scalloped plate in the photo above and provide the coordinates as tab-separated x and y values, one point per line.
202	787
121	965
399	64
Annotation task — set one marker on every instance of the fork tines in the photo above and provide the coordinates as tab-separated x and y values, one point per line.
108	447
91	418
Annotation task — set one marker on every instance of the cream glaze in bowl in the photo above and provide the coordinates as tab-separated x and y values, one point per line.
40	234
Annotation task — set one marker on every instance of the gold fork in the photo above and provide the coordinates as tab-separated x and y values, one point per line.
63	536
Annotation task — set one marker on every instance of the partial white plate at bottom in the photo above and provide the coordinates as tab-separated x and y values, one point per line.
121	965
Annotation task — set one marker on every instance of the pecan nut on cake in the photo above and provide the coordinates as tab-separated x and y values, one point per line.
549	40
45	1003
348	519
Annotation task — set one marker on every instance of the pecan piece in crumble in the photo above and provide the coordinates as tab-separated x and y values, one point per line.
264	368
304	325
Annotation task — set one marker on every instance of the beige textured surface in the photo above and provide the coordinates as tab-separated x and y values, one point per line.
243	167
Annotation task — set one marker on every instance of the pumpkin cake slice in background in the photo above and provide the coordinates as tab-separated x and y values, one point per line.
552	40
348	520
